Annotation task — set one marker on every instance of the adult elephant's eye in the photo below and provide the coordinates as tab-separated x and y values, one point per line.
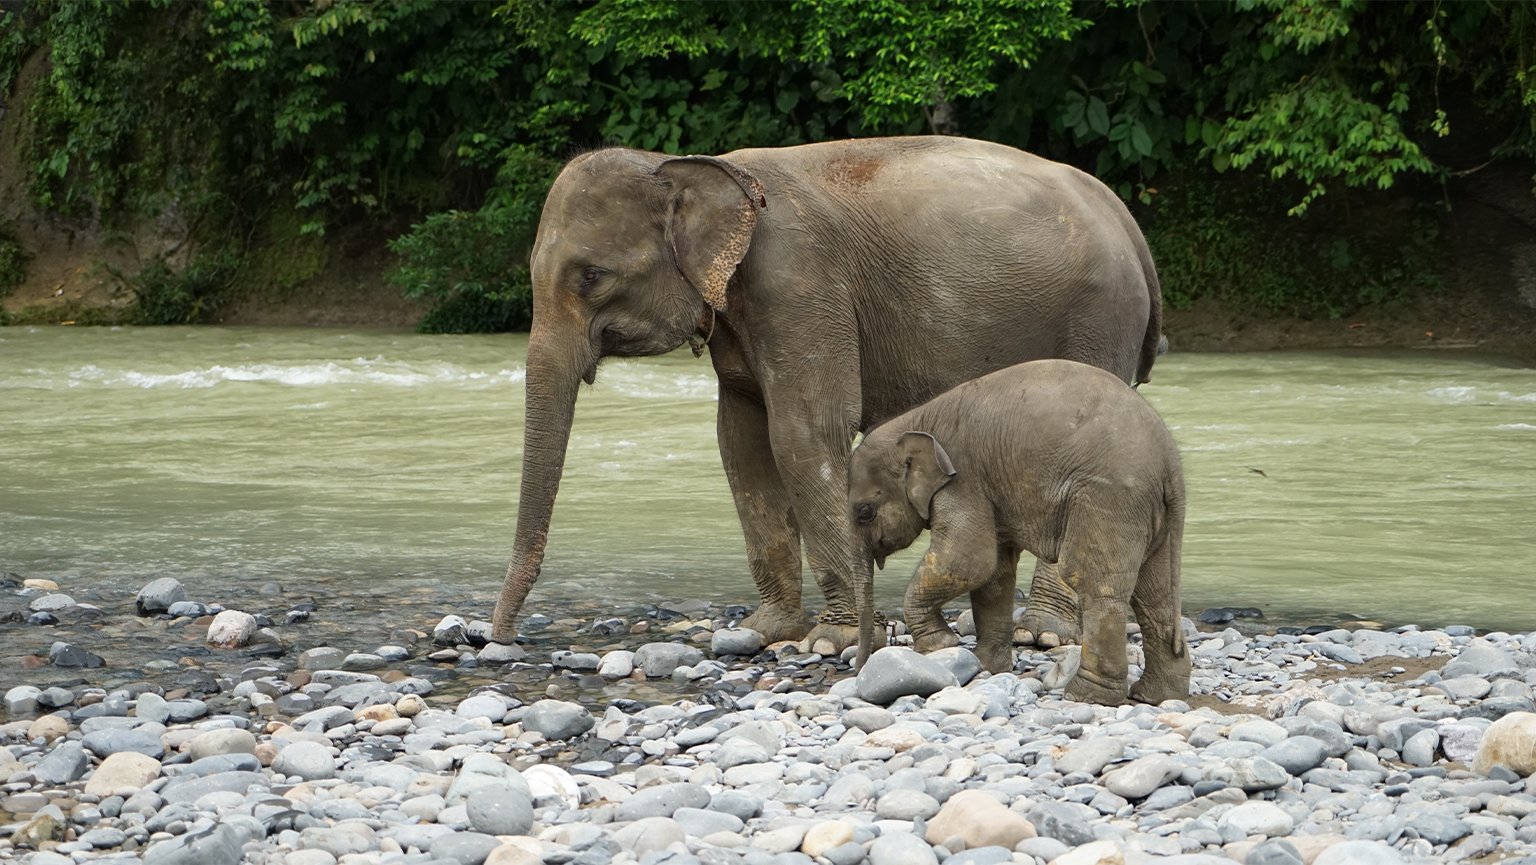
865	513
588	276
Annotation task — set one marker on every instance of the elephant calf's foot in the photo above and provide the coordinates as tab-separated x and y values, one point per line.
1156	689
1045	630
1085	690
777	624
995	659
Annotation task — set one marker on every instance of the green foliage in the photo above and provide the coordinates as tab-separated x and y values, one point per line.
15	41
1216	239
187	296
13	263
455	115
891	61
473	265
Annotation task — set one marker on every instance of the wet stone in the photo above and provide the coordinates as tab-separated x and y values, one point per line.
51	603
187	609
451	631
502	653
158	595
55	698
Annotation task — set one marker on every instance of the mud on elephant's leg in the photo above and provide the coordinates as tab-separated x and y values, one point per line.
1106	608
933	585
767	520
1051	616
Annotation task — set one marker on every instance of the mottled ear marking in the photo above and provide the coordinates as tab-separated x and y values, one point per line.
710	219
928	469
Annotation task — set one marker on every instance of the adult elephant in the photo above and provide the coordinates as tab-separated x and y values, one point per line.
835	285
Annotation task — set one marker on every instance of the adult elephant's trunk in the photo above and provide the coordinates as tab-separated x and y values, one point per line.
554	373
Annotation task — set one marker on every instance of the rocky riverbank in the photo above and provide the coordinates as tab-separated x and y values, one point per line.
162	728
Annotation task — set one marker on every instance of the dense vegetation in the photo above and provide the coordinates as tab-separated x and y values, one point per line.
1212	117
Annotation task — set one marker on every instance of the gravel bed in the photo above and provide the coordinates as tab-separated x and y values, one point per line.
166	730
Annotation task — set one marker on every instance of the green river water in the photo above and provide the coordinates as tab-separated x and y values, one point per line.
1390	487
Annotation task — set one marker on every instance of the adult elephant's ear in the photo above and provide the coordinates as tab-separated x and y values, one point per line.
928	469
710	218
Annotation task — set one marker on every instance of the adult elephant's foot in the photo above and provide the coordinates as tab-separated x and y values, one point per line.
1085	690
932	642
1047	630
778	623
839	636
841	630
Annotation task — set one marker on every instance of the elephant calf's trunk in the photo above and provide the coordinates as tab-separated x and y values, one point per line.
864	591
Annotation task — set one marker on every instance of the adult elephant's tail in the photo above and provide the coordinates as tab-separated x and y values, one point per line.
1153	343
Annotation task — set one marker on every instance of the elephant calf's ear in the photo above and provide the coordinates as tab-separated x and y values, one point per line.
712	213
928	469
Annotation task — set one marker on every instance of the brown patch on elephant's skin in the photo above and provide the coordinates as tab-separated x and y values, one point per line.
852	174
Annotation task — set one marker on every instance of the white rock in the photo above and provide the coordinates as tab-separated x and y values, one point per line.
1259	818
1510	742
231	629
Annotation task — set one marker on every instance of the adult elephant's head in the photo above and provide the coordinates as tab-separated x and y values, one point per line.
633	255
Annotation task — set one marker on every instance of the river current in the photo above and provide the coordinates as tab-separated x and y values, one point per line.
1322	486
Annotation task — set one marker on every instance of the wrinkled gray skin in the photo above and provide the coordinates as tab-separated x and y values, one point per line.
835	285
1053	458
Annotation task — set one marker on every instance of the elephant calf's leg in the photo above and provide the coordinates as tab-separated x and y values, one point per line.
1156	601
992	608
931	588
1050	618
1106	608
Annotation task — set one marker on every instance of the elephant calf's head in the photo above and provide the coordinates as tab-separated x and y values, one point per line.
891	485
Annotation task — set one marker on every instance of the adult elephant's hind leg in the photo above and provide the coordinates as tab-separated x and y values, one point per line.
1051	617
767	519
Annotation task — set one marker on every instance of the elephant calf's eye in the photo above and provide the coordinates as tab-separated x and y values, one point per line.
865	514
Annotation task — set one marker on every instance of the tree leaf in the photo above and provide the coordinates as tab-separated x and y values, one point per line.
1098	116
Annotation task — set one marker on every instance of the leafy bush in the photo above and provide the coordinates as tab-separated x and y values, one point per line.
13	263
189	296
473	265
1216	239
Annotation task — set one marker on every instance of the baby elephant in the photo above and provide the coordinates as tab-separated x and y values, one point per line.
1053	457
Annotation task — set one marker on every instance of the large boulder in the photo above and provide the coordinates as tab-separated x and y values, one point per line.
1509	742
896	671
980	819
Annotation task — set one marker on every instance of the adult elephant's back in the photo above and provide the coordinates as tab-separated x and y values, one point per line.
963	257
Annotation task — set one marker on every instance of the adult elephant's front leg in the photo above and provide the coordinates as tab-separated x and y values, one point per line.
1051	616
814	467
767	519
